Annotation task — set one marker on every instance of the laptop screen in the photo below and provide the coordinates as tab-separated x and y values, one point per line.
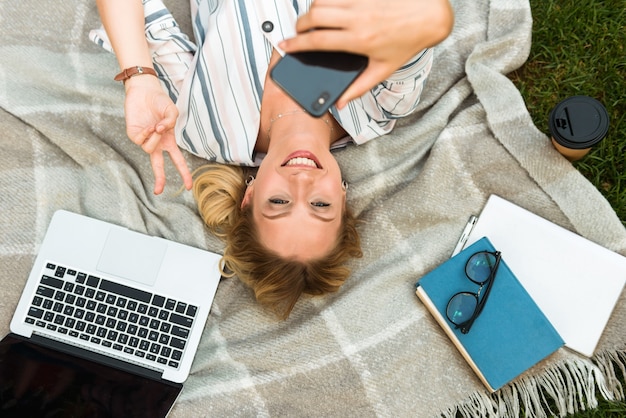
39	381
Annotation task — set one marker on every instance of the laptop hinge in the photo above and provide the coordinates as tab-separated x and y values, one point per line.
98	358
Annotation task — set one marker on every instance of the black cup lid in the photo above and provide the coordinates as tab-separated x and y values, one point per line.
579	122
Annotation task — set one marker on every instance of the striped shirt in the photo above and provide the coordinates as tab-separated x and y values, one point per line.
218	84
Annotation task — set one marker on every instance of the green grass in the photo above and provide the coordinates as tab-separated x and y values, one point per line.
604	410
578	49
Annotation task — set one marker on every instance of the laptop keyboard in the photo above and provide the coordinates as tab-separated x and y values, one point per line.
87	308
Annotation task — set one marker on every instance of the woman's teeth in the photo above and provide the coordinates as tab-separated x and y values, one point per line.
302	161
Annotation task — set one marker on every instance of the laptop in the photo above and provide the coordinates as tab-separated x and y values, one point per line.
108	323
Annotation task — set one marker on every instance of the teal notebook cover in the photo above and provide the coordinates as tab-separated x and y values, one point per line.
509	336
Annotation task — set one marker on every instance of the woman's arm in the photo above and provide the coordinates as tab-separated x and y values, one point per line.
123	21
390	33
150	113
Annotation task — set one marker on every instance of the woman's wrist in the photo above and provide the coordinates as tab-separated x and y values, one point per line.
146	81
134	71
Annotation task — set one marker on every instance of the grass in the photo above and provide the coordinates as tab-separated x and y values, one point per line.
578	49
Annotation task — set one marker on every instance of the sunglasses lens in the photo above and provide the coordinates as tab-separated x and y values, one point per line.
478	267
461	307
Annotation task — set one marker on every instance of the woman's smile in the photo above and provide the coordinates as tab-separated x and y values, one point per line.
302	158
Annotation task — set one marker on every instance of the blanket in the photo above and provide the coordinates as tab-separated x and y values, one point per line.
371	349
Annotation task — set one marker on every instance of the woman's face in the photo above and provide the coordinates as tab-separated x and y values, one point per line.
297	199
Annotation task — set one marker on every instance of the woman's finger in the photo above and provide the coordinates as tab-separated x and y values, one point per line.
158	171
181	165
151	143
366	81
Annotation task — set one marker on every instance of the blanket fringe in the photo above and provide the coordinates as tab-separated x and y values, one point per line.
565	388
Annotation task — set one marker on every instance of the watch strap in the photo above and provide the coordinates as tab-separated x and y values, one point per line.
134	71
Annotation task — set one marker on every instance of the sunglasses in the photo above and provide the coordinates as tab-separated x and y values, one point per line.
464	307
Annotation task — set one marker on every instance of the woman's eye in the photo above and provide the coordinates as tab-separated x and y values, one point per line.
278	201
320	204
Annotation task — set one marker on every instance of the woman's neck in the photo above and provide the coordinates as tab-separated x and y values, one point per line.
281	116
314	131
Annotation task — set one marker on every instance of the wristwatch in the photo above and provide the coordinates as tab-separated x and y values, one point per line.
134	71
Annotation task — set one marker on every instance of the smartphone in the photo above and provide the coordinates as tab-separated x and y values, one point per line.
316	79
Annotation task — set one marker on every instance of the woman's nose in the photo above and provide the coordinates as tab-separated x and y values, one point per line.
304	176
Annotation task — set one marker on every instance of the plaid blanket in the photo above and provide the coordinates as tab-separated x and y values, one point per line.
371	349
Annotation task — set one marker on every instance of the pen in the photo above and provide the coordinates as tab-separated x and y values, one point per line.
465	235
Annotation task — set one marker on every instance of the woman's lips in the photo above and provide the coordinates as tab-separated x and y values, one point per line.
302	159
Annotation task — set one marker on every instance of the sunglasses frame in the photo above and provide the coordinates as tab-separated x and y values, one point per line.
487	284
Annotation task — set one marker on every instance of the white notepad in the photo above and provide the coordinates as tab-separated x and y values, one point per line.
575	282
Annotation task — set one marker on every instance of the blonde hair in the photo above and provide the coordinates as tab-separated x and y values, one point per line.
277	282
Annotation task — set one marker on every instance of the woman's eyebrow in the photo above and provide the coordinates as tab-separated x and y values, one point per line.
278	215
286	212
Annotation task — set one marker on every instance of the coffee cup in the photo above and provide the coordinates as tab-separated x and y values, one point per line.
577	124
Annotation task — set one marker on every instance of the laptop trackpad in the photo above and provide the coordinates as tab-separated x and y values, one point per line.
132	256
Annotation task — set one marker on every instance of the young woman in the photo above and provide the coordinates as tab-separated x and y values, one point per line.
287	229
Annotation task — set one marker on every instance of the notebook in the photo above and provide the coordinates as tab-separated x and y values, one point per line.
108	322
575	282
510	335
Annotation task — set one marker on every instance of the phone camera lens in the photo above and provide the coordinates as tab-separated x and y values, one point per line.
321	101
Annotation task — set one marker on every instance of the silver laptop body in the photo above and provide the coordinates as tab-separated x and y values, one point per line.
140	301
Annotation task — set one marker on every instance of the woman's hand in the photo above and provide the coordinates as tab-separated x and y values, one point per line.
390	33
150	119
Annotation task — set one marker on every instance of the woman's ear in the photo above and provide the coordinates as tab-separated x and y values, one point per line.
247	196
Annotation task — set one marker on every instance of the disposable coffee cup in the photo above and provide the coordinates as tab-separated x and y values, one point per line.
577	124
